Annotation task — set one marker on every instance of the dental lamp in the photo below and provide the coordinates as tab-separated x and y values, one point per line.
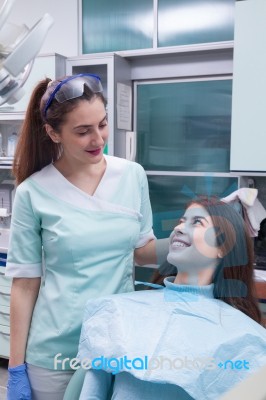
19	46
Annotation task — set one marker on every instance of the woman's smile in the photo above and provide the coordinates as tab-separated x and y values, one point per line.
94	152
178	243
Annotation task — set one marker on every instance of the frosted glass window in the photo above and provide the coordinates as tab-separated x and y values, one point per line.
184	126
170	194
182	22
116	25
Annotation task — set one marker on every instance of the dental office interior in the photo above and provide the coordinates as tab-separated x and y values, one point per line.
185	82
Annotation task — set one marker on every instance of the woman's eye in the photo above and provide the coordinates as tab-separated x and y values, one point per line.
197	221
103	125
83	133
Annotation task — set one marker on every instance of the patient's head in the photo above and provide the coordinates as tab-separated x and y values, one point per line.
209	234
193	243
213	235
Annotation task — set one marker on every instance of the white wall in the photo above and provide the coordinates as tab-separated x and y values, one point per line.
63	36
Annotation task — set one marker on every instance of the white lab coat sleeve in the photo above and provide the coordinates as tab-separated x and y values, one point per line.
96	386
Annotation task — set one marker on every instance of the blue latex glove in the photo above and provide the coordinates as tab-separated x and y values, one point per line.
18	385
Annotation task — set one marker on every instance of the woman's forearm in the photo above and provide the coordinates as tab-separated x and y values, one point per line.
146	254
154	252
24	292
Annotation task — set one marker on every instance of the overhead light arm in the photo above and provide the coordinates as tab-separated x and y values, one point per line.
16	63
29	47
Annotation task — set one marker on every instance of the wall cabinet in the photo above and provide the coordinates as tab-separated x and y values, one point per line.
149	24
248	135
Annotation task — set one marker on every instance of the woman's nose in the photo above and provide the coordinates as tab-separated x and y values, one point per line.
97	137
179	228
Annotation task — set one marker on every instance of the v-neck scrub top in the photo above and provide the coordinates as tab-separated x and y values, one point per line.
81	245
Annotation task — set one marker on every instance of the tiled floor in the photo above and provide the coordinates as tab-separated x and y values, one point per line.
3	378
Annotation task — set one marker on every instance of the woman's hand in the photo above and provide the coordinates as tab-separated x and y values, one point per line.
154	252
18	385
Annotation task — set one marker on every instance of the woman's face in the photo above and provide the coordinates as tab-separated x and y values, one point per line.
193	245
84	133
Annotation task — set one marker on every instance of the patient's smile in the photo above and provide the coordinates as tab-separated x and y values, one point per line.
193	244
179	243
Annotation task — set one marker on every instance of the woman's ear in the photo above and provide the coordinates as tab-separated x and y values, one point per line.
55	137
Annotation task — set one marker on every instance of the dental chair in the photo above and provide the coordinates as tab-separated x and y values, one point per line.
74	387
252	388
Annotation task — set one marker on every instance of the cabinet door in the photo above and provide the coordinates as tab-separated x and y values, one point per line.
184	125
248	138
125	25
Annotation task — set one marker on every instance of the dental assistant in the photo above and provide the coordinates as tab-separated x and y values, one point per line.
79	218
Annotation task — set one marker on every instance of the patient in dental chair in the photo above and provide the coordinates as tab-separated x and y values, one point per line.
196	336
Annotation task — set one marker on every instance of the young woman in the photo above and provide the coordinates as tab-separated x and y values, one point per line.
193	339
79	216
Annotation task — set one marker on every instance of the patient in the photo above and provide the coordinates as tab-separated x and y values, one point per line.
193	338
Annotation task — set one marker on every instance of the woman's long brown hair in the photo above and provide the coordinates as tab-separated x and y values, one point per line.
34	149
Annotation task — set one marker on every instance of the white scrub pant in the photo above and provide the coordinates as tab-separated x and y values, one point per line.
48	384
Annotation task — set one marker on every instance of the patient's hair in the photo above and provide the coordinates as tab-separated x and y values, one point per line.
233	278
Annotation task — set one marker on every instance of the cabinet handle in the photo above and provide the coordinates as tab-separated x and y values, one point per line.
5	294
4	313
4	333
2	273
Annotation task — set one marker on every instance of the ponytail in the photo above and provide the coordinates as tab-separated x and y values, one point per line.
35	149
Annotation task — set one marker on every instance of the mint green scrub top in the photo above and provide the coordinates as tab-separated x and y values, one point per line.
81	245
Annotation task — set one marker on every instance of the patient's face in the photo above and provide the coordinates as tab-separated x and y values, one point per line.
193	243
